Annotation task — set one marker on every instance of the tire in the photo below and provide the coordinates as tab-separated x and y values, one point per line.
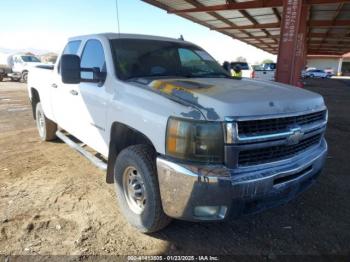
46	128
312	76
24	77
136	166
1	78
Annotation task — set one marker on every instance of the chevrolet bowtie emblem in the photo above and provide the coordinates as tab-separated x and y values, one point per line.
295	137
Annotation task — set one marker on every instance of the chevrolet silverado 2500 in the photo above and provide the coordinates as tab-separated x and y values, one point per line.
180	138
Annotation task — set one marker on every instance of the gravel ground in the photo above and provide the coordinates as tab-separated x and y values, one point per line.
54	202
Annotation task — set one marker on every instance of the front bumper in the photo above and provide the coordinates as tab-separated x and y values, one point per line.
235	192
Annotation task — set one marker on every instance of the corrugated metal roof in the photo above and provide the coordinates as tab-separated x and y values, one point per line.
330	30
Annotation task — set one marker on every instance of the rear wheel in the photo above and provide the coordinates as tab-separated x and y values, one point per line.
47	128
24	77
137	188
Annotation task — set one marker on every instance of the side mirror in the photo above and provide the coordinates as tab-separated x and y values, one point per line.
70	69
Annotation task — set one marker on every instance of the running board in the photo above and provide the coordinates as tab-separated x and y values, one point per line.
94	160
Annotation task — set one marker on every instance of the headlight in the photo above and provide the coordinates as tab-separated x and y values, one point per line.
199	141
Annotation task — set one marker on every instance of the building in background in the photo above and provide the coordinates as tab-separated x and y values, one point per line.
339	65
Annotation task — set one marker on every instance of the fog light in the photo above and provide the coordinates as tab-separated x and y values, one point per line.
210	212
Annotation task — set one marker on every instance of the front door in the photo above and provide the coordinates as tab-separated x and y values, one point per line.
91	107
64	97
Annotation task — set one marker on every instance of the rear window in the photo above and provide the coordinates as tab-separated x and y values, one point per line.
72	48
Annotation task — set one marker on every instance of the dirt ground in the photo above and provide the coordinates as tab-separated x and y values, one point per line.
54	202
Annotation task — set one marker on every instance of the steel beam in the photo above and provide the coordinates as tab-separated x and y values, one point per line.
253	26
219	17
329	23
250	5
321	35
322	2
318	53
200	22
317	23
232	6
292	48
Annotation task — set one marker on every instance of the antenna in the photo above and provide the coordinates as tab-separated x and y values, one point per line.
117	12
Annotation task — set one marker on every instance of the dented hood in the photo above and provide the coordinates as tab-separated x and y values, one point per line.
219	98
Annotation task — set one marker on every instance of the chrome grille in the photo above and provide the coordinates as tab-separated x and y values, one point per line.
277	125
275	153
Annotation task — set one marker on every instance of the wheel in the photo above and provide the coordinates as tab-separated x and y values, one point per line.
135	179
24	77
47	128
1	78
312	76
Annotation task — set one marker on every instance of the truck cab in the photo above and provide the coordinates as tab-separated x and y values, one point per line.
181	138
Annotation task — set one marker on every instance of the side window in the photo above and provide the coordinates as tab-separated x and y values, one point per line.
93	56
71	48
188	57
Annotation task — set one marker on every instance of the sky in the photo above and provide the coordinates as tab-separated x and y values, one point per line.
46	25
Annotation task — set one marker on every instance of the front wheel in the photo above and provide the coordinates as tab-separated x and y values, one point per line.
47	128
137	188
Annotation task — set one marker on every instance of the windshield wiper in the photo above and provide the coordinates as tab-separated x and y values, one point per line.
132	78
213	75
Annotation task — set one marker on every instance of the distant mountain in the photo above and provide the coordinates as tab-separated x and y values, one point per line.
5	50
30	50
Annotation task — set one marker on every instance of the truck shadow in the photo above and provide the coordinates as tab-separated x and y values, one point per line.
247	235
282	229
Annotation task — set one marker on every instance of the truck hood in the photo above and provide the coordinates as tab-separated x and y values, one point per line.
218	98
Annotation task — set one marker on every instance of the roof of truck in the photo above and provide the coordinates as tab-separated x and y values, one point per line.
133	36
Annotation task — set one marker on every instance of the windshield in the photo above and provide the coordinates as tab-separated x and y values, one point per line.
29	58
135	58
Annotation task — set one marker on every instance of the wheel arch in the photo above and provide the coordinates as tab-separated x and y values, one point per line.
121	137
35	99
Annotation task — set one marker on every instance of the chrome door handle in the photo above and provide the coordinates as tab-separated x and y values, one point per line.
54	85
74	92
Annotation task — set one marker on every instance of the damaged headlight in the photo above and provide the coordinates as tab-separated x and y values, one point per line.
200	141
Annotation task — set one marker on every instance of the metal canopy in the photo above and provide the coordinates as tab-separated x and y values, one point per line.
258	22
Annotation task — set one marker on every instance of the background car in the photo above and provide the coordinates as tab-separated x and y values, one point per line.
316	73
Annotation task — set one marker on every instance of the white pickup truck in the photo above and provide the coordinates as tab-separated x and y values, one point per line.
17	66
264	72
180	138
